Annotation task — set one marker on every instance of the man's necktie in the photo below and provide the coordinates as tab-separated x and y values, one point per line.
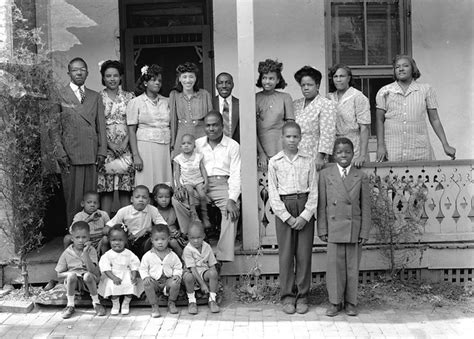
83	95
344	173
225	117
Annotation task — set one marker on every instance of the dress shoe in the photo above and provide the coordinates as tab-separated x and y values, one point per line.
333	310
289	308
351	310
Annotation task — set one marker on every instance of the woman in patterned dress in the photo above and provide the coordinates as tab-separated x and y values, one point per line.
402	106
353	111
189	104
117	174
316	116
273	109
148	119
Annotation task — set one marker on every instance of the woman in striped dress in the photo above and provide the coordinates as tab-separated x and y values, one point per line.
402	106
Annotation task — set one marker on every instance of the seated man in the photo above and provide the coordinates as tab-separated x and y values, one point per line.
222	162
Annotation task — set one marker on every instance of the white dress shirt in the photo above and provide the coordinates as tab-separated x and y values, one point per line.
348	168
224	159
137	220
75	89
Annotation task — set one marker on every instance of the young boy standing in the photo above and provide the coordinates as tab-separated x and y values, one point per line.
344	222
293	192
77	265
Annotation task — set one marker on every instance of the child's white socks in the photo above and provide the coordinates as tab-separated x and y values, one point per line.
191	297
212	296
115	306
95	299
70	300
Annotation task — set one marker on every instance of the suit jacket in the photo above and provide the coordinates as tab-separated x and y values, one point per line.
344	206
235	116
80	132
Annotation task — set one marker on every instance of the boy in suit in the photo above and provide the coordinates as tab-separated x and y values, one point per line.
344	222
293	192
80	137
227	105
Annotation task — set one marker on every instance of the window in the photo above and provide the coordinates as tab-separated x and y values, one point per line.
366	35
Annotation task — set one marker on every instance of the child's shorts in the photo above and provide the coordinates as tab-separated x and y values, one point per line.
81	287
201	272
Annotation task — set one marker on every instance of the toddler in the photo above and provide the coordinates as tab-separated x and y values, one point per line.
162	194
202	274
191	174
161	271
120	272
96	219
77	265
138	217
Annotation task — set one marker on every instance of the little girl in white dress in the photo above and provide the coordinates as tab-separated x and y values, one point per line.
119	267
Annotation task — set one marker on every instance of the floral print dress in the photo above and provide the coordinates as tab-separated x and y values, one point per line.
117	131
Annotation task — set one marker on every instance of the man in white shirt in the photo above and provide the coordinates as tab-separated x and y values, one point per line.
227	105
80	142
222	163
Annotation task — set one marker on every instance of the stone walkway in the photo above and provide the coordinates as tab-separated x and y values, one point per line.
240	321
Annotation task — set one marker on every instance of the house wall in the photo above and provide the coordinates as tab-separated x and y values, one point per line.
442	35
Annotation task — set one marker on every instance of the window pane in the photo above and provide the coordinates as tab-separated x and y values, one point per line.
383	32
165	14
347	26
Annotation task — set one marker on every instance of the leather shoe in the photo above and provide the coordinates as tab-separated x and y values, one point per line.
289	308
351	310
301	308
333	310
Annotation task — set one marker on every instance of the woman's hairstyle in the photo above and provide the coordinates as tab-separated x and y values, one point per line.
118	228
111	64
268	66
148	73
333	71
308	71
159	187
415	71
187	67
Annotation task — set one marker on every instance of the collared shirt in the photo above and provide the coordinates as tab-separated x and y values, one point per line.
341	170
153	266
137	220
201	260
221	108
224	159
70	261
75	89
95	226
295	176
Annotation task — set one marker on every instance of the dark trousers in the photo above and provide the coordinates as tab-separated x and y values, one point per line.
294	254
342	272
79	179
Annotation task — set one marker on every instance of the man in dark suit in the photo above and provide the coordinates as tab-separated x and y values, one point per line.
80	138
227	105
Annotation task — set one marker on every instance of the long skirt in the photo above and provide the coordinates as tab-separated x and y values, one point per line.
156	164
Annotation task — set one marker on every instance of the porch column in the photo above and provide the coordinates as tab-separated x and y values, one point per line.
248	128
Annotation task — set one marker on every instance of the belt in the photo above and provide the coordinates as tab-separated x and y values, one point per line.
295	196
217	177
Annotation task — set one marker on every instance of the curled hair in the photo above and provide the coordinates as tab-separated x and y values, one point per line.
152	72
187	67
159	187
160	228
290	124
268	66
111	64
342	141
308	71
414	68
118	228
333	70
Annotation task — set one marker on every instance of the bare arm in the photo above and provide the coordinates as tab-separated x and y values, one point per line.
137	160
113	277
204	174
364	144
439	130
91	267
380	120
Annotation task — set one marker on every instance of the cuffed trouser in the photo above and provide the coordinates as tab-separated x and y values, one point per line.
172	289
342	272
78	180
294	254
218	193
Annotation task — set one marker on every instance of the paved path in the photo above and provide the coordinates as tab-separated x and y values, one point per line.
240	321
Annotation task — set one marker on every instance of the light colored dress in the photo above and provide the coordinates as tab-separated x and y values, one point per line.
187	115
406	131
318	125
353	109
121	264
190	168
117	131
272	111
153	139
